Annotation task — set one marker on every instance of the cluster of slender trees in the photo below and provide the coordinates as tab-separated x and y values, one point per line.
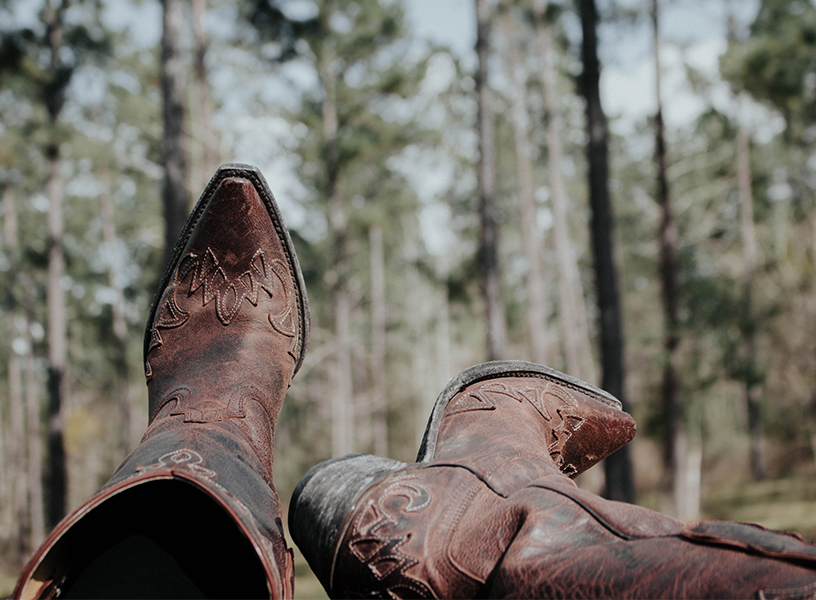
561	240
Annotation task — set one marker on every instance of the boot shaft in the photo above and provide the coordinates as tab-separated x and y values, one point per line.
226	333
229	324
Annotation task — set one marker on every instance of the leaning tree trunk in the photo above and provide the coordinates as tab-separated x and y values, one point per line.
573	311
342	400
536	299
119	357
57	328
752	389
379	399
208	138
674	440
17	452
174	194
489	236
618	466
33	436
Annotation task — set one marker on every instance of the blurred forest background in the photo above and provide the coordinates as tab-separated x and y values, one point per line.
447	207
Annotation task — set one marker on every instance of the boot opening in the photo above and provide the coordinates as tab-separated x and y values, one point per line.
161	539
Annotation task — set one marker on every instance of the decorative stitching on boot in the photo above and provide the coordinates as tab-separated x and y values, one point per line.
155	339
205	271
171	316
258	432
472	400
805	592
283	322
377	547
184	457
179	395
208	410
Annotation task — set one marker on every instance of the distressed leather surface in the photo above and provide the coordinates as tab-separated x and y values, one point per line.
494	514
225	336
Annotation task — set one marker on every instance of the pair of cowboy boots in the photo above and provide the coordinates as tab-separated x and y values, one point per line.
489	508
192	511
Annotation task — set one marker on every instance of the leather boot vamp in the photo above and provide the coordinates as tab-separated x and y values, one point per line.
228	314
443	532
573	544
491	422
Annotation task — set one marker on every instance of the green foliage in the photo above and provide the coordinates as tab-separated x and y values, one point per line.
777	62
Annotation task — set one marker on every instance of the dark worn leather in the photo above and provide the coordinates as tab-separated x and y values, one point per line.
489	511
225	336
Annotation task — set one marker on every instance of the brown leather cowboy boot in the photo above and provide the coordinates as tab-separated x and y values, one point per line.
489	510
193	511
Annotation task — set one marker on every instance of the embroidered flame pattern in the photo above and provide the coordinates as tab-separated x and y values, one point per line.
377	538
203	271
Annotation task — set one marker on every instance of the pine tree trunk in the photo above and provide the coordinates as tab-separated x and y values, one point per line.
687	477
443	343
752	389
667	236
573	311
342	400
378	342
618	467
119	355
17	455
174	193
342	397
57	352
489	236
536	299
35	487
209	140
6	490
57	347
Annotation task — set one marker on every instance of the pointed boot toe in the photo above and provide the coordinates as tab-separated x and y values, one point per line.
193	510
510	405
232	294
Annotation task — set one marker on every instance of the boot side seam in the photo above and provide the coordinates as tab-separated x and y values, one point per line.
606	524
473	471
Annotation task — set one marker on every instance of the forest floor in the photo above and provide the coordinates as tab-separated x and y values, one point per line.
787	504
